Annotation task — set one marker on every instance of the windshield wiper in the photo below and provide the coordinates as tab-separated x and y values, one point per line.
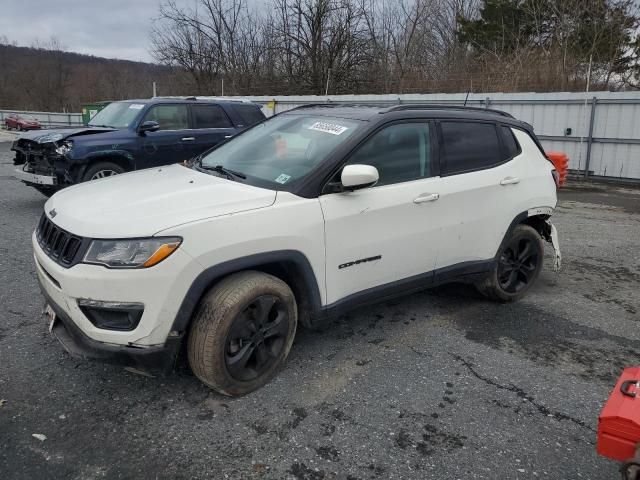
222	170
102	126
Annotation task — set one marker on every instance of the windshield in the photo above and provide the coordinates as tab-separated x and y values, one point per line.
116	115
282	150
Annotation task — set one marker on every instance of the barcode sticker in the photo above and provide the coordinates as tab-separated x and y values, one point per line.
332	128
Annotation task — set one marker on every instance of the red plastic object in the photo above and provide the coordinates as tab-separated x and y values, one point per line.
619	422
561	161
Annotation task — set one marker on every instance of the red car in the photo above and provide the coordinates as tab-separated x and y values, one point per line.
22	122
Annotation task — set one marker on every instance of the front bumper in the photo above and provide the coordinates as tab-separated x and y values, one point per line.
160	289
32	178
158	358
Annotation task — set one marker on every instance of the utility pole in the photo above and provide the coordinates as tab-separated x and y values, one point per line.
154	89
222	88
326	90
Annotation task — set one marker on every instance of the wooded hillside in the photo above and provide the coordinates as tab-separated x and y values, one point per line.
289	47
51	79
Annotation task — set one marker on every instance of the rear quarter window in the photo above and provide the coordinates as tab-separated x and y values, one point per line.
510	143
469	146
250	114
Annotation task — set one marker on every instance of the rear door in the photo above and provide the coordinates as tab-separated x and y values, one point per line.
172	142
480	190
211	126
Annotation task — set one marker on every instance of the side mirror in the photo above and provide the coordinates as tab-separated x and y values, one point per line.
359	176
148	126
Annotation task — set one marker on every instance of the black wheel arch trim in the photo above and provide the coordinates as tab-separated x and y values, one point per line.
514	223
523	218
209	276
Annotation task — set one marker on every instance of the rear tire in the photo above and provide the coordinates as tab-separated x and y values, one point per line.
242	332
102	170
518	267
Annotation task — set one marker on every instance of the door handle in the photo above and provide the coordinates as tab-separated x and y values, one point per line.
509	181
427	197
188	139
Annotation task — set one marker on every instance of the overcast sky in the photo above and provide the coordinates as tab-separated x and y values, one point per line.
105	28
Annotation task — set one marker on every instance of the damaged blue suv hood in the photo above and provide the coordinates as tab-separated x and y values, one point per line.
57	134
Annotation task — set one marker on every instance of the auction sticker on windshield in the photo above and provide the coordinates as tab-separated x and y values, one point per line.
136	106
326	127
283	178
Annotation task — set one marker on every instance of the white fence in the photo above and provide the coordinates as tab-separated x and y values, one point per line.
600	131
47	119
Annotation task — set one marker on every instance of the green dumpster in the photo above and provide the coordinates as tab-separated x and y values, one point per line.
90	109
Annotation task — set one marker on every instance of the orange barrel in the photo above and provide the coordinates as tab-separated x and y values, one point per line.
561	161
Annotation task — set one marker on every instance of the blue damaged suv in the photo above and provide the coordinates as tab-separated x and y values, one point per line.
129	135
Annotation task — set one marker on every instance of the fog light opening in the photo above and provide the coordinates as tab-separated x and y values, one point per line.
112	315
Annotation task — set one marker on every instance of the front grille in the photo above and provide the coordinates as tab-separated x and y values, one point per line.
58	244
38	157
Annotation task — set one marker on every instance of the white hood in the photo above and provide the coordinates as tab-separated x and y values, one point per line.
142	203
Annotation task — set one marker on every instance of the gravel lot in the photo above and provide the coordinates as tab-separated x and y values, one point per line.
440	384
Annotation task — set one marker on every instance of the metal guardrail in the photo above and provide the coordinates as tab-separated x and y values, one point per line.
47	119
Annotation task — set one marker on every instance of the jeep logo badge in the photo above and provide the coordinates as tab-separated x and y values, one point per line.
53	212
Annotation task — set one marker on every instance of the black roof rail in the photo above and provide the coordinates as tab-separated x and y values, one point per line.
334	105
432	106
312	105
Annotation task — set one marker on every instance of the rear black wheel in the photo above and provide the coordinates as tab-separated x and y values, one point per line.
518	266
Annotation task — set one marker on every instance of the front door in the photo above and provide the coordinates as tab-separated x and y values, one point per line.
389	232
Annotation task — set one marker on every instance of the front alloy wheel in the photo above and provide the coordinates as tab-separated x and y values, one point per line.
103	174
256	338
102	169
242	332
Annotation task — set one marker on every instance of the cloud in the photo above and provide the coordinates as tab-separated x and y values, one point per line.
107	28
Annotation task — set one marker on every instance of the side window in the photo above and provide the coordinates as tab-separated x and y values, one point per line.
170	117
469	146
210	116
401	153
250	114
510	142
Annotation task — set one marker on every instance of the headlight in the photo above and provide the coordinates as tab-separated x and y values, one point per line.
64	147
134	253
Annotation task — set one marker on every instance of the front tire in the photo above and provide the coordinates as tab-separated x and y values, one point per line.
518	266
242	332
102	170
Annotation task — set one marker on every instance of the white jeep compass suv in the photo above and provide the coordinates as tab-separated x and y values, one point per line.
293	221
